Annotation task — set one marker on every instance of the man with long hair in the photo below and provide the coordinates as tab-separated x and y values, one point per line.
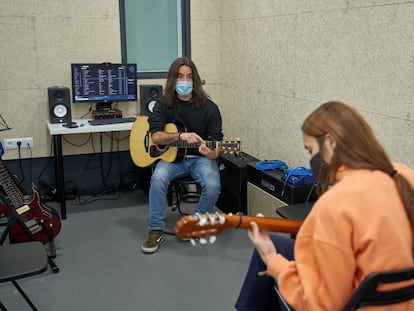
184	102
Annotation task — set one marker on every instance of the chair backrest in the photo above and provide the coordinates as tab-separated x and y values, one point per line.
368	293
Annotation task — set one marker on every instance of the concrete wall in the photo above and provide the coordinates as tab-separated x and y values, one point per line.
281	59
267	64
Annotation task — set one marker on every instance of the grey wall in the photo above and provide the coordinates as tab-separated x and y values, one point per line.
281	59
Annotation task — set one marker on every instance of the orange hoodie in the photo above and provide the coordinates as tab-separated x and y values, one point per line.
357	227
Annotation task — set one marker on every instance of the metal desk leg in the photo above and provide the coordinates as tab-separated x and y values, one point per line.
59	177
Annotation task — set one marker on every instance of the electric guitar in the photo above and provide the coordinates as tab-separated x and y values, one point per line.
199	226
144	152
43	223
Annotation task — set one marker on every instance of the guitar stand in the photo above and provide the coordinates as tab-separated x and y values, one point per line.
14	217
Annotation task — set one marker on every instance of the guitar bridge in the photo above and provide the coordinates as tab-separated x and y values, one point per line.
33	226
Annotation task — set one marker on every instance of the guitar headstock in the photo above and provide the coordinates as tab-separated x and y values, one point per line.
199	226
230	146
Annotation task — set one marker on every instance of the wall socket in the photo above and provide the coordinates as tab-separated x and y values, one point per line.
11	143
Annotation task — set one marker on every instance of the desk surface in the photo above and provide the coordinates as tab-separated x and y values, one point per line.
85	127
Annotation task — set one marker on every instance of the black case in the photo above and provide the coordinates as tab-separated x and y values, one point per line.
233	174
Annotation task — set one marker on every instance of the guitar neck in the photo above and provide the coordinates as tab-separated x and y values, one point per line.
193	226
184	144
265	223
12	191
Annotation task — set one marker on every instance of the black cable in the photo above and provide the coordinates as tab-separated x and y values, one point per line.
30	164
19	144
310	191
101	161
43	170
90	109
110	158
47	163
90	198
86	167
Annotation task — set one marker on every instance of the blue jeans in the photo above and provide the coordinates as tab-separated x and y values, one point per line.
203	170
258	292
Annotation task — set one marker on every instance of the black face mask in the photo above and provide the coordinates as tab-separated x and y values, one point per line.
315	164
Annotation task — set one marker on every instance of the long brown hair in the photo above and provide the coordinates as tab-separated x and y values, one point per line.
356	147
199	95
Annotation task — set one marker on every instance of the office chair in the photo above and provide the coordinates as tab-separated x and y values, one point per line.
22	260
368	294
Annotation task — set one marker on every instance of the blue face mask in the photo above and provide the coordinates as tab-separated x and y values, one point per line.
184	88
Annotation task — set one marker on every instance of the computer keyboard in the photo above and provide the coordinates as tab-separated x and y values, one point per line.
112	121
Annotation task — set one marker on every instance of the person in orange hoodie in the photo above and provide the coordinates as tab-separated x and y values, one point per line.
362	222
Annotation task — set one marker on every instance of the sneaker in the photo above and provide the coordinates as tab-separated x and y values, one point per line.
155	238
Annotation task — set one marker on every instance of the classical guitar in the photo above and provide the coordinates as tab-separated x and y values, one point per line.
43	223
198	226
144	152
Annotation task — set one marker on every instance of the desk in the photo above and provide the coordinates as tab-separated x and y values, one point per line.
57	130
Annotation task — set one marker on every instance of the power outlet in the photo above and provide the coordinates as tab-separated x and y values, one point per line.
12	143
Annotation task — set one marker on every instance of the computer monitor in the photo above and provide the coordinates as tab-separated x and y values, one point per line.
104	83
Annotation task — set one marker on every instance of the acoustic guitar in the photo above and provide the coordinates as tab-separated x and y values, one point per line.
144	152
43	223
198	226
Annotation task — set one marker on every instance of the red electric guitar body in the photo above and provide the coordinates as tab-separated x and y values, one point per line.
43	223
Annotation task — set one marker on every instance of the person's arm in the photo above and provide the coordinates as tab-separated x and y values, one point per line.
164	138
324	264
212	154
193	138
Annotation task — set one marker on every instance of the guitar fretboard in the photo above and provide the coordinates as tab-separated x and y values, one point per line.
184	144
15	197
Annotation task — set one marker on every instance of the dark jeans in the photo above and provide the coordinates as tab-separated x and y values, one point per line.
258	292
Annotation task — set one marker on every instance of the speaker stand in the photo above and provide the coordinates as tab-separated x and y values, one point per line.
70	125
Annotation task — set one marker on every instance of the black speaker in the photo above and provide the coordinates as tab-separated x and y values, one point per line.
233	176
149	95
59	104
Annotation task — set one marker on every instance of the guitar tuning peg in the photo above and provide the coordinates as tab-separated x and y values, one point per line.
212	219
202	220
203	241
212	239
193	242
222	219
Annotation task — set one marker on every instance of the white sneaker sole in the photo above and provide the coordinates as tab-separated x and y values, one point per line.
150	250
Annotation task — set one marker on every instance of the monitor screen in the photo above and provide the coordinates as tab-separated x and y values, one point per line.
104	83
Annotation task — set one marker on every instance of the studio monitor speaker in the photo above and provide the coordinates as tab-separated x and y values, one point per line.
59	104
150	95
